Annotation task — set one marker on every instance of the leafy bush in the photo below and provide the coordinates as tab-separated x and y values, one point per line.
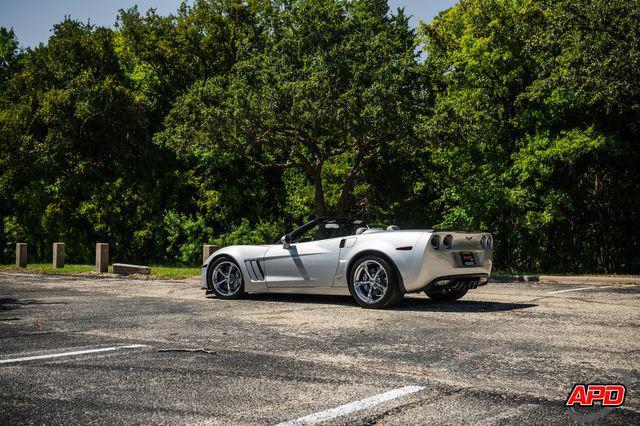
246	233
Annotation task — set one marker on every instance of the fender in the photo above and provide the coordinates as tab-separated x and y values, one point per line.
239	254
362	253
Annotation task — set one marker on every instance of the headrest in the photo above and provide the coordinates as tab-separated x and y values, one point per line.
392	228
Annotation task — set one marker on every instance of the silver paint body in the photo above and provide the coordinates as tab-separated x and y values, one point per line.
320	267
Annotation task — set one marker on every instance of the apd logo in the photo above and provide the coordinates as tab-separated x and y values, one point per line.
602	398
606	395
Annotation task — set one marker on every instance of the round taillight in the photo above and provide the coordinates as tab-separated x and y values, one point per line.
489	241
435	242
447	242
483	241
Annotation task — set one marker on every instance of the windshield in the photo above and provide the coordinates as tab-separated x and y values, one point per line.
326	228
324	231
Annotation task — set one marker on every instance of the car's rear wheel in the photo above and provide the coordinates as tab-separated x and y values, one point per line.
447	295
225	279
373	283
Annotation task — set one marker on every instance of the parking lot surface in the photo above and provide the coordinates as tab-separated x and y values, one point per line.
88	350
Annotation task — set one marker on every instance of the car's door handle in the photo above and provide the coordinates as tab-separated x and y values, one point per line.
342	243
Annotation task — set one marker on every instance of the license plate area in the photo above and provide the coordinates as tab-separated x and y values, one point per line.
468	259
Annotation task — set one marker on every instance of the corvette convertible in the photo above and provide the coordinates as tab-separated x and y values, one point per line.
376	265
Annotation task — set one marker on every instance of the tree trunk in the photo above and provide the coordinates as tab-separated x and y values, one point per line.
321	205
346	194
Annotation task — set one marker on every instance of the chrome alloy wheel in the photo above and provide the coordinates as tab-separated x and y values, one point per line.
370	281
226	278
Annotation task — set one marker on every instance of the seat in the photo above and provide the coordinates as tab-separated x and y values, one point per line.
360	230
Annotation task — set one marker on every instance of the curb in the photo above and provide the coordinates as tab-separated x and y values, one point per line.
513	278
563	279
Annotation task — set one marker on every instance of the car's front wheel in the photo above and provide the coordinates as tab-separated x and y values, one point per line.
373	283
225	279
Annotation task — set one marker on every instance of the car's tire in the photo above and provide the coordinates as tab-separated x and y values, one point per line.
224	278
448	295
383	291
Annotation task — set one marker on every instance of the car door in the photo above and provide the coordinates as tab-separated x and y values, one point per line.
307	264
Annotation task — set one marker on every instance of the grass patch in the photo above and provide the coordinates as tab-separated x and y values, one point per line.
162	272
174	272
47	268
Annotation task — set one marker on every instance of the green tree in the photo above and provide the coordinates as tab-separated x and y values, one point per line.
229	121
80	164
533	127
9	54
324	87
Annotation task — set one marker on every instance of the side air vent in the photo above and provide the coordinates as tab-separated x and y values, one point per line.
254	269
250	270
257	269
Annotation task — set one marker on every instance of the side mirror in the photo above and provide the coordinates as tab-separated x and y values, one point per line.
286	241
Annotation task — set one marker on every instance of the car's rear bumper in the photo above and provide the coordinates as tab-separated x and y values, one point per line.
433	266
463	281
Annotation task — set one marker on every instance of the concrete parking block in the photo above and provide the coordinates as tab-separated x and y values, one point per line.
208	250
21	255
102	257
58	255
126	269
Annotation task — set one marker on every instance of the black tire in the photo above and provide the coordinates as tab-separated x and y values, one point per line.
391	296
448	295
234	292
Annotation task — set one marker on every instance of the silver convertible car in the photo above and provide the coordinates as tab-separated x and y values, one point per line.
376	265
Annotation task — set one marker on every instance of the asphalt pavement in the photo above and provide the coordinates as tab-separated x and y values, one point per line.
118	351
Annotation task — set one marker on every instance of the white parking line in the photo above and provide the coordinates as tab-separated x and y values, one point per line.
566	291
58	355
578	289
343	410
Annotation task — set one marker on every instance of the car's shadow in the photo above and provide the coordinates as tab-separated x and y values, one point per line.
420	304
10	303
301	298
407	304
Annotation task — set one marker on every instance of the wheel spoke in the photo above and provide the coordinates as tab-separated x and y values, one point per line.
370	281
366	271
379	286
226	278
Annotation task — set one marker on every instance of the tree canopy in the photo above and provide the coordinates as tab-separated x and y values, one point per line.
232	121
